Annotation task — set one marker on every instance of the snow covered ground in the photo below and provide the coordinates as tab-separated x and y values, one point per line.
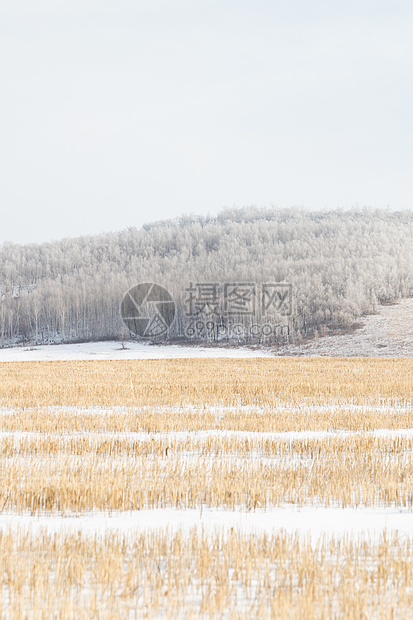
183	436
386	334
389	333
112	350
312	521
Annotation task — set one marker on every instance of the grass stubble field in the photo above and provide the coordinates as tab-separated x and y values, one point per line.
94	437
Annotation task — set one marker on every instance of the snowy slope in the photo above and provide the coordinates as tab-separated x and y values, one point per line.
386	334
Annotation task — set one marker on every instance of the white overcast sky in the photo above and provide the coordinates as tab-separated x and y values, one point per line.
118	112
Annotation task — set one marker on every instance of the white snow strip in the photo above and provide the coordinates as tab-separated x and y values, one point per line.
312	521
384	407
112	350
220	434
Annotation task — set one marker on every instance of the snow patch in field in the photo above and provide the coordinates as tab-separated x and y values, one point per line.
220	410
177	436
312	521
111	350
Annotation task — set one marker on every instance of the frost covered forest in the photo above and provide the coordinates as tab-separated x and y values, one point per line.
341	264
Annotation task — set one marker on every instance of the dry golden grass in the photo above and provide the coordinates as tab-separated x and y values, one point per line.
236	575
67	443
92	473
78	460
206	382
167	419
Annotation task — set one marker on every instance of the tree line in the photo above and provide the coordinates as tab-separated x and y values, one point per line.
340	264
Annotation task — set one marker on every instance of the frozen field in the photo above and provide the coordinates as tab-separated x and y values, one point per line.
207	487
